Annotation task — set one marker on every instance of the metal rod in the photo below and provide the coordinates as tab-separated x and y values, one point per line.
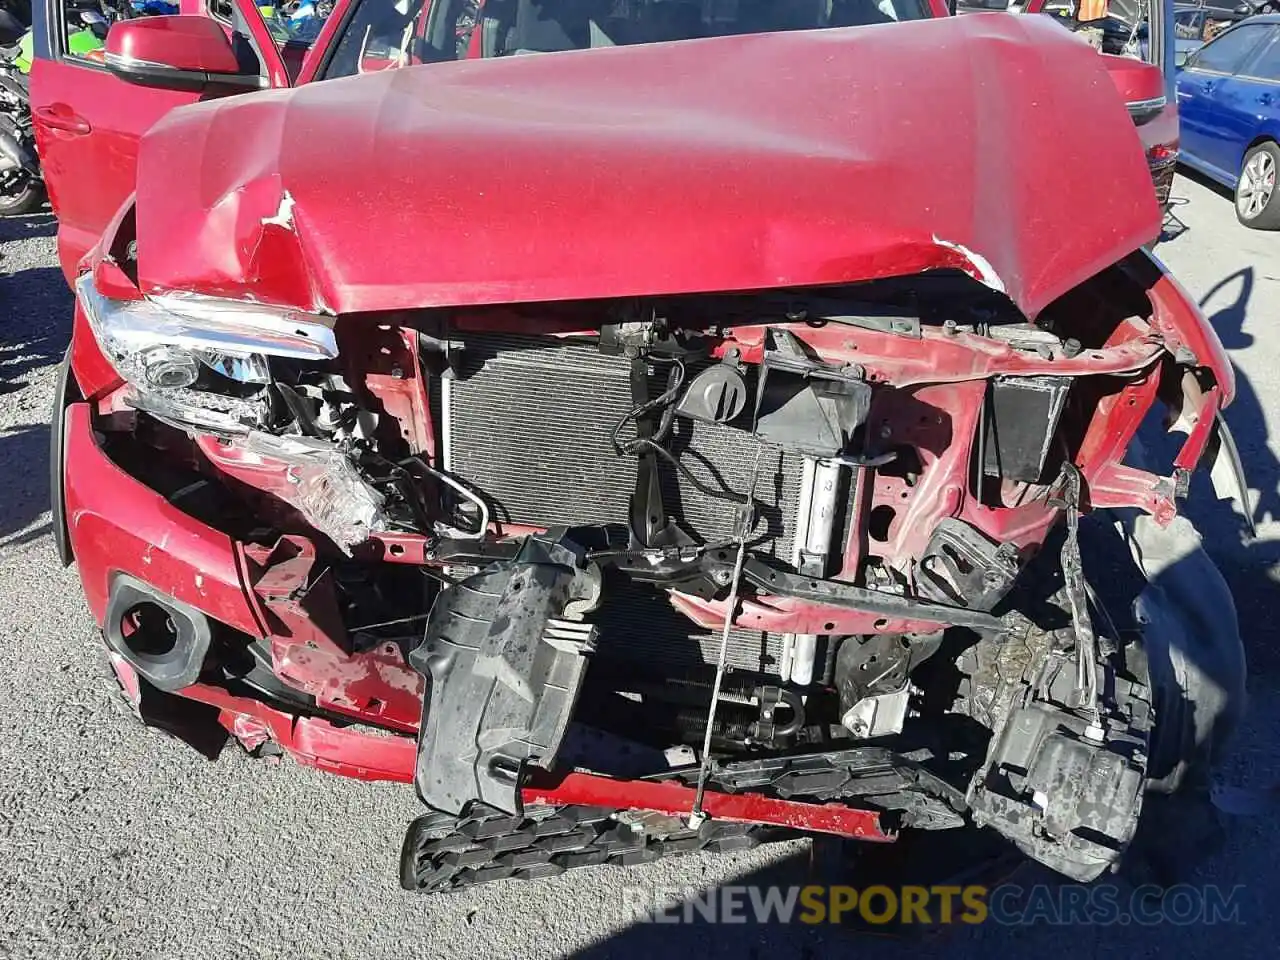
696	815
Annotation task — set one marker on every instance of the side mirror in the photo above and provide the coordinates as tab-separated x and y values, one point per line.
175	53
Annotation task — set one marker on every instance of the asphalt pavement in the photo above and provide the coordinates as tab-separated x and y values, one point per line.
117	842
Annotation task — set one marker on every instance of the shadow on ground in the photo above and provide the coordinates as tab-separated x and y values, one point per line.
1250	566
35	305
41	293
24	464
24	228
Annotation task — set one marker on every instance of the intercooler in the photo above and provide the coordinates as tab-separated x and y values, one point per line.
528	422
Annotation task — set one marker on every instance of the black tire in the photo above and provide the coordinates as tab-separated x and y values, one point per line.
25	198
1256	201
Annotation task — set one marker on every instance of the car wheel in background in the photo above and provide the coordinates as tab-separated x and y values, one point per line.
23	197
1256	203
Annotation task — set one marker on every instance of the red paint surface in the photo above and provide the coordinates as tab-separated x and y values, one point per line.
731	163
192	43
119	525
674	798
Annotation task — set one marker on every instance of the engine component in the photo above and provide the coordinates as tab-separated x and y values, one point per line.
871	675
323	405
520	400
807	406
819	491
772	715
963	566
716	395
1064	800
1065	788
881	715
1020	418
815	527
505	651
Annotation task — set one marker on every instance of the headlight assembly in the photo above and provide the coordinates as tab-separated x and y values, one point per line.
200	359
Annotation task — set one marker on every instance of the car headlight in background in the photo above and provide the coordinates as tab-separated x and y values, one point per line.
200	359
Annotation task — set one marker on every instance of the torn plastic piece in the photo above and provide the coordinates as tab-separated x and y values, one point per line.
1227	473
327	487
505	656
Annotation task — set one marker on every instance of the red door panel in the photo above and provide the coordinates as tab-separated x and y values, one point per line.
87	126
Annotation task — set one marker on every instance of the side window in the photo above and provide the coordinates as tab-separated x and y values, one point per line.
1226	53
379	35
84	29
1187	24
85	23
293	22
1266	66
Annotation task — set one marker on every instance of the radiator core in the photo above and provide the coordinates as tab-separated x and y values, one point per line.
528	424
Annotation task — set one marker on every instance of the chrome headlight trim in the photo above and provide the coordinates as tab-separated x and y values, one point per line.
207	323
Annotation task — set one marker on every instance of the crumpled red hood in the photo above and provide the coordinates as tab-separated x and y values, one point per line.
996	144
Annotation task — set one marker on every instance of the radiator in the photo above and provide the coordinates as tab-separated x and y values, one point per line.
528	422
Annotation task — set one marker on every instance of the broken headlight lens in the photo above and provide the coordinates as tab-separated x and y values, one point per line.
164	345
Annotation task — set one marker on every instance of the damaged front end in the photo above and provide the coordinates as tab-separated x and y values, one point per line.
613	579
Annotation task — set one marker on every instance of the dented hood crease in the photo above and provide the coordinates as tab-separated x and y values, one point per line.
996	145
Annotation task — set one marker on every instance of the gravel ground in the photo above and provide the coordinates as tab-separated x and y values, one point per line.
116	842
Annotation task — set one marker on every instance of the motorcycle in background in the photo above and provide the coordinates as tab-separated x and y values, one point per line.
21	186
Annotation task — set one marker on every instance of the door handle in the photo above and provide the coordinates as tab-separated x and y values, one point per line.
1264	98
59	116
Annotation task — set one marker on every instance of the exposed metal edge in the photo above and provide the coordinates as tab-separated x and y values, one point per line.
446	420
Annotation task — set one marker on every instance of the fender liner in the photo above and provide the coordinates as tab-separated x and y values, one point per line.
505	652
66	392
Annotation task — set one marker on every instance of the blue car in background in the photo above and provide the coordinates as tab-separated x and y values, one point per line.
1229	108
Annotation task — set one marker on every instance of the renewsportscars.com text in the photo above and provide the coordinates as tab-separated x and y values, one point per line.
1007	905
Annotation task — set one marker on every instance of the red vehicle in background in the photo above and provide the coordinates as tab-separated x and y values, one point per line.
602	416
1124	31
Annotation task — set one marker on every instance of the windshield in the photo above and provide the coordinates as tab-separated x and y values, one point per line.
380	34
